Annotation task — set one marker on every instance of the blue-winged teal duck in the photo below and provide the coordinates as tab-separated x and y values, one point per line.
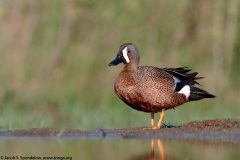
151	89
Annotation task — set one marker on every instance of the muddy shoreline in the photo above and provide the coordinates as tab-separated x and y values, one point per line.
209	129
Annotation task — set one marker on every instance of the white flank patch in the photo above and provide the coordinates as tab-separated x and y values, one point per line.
125	55
185	90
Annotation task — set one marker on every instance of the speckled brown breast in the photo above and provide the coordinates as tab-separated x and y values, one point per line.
149	89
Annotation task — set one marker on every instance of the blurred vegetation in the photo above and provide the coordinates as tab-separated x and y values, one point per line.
54	56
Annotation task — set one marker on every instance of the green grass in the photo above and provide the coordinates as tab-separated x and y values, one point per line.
112	117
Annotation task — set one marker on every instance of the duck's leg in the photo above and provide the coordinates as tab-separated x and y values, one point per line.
161	119
152	122
152	119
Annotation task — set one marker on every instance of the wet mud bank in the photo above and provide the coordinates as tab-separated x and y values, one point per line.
208	129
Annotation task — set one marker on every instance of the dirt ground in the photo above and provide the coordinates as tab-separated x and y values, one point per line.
208	129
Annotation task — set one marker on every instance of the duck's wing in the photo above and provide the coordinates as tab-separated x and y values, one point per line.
182	77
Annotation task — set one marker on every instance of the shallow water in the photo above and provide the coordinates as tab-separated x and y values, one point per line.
117	148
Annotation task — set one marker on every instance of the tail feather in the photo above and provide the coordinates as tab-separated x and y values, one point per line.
197	94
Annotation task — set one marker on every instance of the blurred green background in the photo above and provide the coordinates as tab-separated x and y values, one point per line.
54	56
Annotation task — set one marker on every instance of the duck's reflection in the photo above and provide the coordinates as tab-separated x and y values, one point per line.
160	148
157	153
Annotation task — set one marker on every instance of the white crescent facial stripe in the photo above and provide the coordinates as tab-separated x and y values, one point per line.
125	55
185	90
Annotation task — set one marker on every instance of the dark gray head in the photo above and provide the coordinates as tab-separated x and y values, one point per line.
127	54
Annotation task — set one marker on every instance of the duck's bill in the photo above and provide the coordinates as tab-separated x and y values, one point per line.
115	62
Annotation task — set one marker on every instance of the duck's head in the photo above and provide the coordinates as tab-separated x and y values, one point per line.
127	54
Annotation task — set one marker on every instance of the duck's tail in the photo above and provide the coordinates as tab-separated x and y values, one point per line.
197	94
185	83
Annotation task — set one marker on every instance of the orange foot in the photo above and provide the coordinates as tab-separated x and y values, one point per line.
155	127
